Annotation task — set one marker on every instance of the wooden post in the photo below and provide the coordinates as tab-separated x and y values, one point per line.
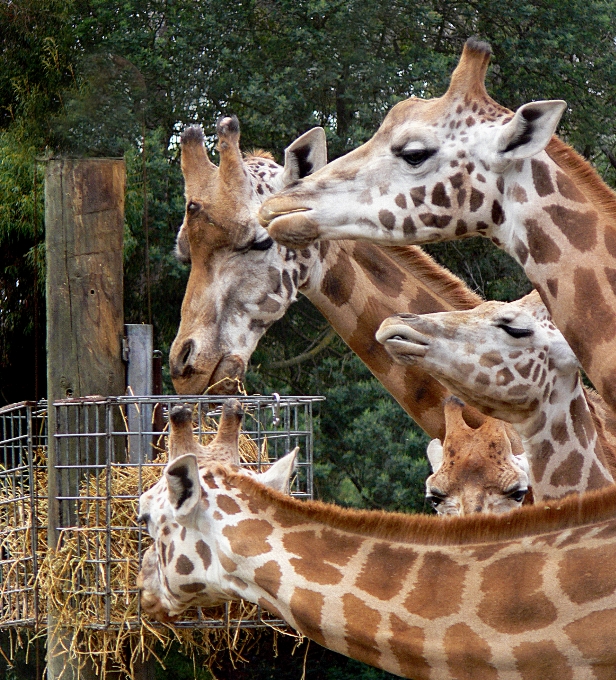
139	383
84	227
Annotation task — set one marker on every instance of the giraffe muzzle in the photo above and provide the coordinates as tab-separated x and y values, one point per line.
401	341
290	227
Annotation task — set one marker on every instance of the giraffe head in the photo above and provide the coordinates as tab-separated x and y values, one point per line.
435	170
474	470
240	282
507	359
182	566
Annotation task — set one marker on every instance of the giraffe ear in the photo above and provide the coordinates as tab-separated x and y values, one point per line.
279	475
183	484
305	155
435	454
530	129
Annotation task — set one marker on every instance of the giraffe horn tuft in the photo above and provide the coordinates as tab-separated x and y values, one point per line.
470	73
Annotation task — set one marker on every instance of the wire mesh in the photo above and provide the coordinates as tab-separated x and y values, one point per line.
107	452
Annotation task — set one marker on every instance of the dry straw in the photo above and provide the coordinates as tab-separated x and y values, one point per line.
90	579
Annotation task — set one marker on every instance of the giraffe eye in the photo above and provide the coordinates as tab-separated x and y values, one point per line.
415	157
435	498
192	207
264	244
515	332
517	495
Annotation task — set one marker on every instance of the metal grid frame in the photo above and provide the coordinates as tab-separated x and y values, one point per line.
96	440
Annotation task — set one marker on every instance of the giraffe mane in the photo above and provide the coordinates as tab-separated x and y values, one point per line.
570	512
419	264
586	178
259	153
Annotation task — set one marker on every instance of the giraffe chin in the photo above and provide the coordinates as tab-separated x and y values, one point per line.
294	230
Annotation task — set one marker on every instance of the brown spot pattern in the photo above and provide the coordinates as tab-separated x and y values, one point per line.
204	552
306	606
387	219
408	226
504	377
541	178
583	425
589	305
439	587
468	655
184	565
227	505
541	660
339	281
327	546
407	645
593	635
553	287
440	197
195	587
580	228
418	194
401	201
513	601
476	200
543	249
567	188
490	359
249	537
385	559
269	577
362	624
389	279
569	472
588	574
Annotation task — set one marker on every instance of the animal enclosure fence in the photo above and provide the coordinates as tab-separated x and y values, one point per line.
109	450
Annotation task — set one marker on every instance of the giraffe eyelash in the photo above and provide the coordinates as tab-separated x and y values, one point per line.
515	332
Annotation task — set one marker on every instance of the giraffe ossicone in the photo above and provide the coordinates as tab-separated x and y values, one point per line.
531	594
463	165
235	292
511	362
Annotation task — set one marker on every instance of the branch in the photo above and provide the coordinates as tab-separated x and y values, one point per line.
610	156
300	358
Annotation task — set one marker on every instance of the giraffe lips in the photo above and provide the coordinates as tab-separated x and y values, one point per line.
289	226
401	341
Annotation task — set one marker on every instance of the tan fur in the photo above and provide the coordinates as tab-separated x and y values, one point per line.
545	517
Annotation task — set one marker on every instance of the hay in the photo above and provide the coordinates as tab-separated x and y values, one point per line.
89	580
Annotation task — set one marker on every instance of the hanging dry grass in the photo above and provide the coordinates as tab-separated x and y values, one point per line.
88	582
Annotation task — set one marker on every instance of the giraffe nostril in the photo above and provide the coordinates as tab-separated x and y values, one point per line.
185	355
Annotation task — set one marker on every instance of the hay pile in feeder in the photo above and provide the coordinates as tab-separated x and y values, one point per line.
89	581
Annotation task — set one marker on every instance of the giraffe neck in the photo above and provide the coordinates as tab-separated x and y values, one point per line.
561	227
564	450
356	285
420	597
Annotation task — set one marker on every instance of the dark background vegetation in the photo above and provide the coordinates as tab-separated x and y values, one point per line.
123	78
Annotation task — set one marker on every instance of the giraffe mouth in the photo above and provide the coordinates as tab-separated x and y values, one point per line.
292	227
403	342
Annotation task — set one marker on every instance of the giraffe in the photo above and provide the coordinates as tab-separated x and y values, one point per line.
241	282
474	470
511	362
528	595
462	165
222	450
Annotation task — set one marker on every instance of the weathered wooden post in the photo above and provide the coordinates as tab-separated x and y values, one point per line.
84	226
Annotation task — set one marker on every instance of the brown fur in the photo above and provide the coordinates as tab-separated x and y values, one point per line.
259	153
441	281
586	178
546	517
